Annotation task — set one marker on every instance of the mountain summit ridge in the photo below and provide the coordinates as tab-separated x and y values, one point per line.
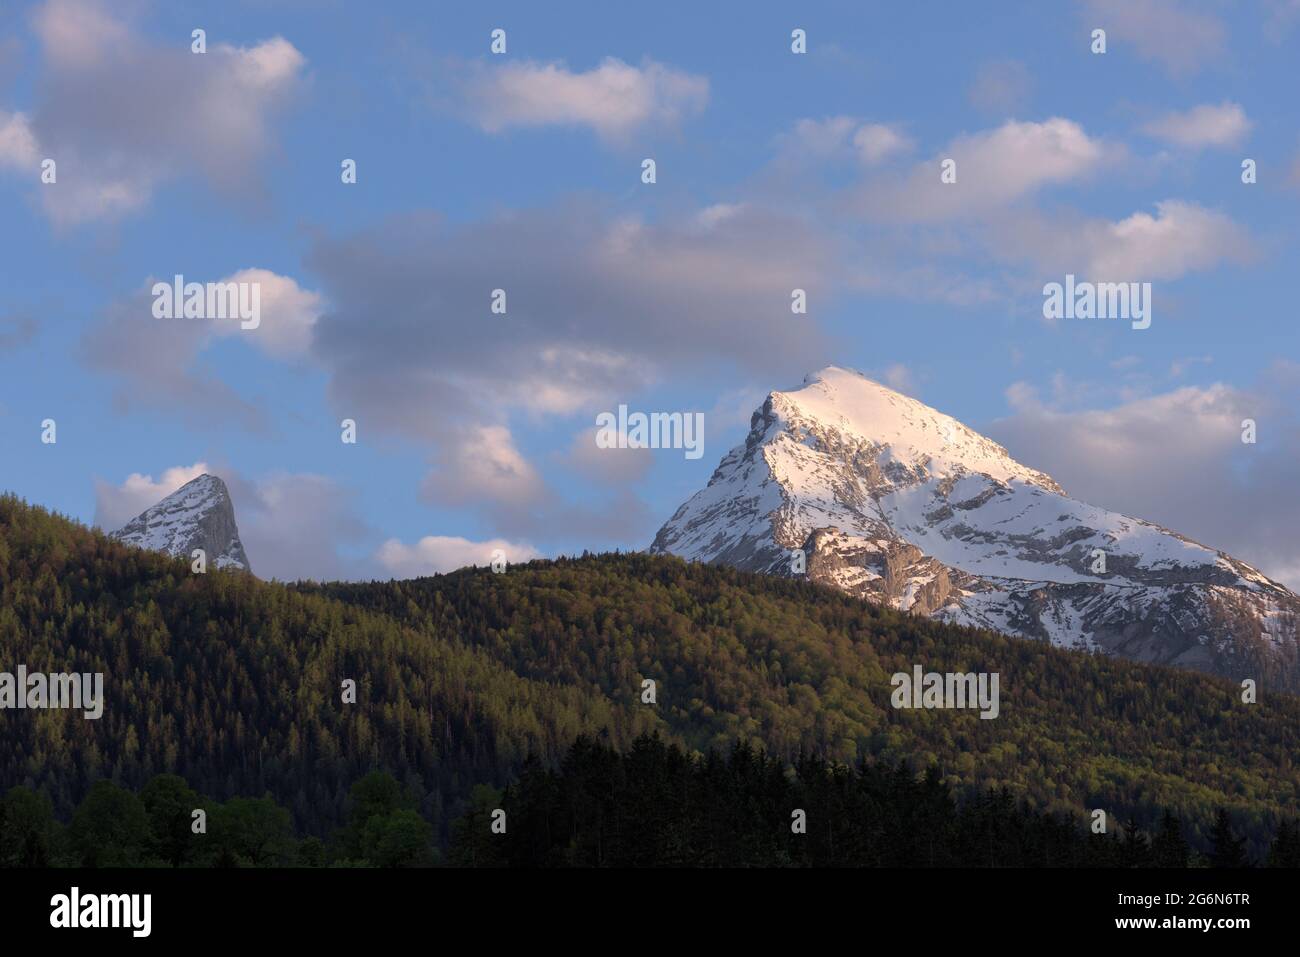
198	515
891	500
872	411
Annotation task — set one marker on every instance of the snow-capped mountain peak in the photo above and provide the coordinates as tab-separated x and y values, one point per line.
198	515
916	435
884	497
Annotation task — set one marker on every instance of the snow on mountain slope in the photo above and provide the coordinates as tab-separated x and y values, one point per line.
891	500
197	515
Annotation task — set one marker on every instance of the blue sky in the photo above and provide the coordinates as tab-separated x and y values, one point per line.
522	171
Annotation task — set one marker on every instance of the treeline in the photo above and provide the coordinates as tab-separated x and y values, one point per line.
657	806
654	805
236	685
168	824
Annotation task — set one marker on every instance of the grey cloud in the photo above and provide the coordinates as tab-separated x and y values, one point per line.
156	363
601	302
1177	458
613	466
597	308
119	113
1001	86
17	330
611	523
300	525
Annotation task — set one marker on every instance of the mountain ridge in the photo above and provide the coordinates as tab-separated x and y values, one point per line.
891	500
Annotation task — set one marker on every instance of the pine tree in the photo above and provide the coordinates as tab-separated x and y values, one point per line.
1136	852
1285	850
1228	849
1169	849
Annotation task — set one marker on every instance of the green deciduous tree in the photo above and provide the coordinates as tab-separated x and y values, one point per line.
29	834
110	828
170	804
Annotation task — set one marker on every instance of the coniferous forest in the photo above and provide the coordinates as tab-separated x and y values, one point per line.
653	805
523	691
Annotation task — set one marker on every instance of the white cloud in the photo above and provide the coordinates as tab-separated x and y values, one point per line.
265	68
437	554
1182	237
821	137
711	216
614	98
876	142
566	378
1182	40
1222	125
994	168
18	147
288	314
835	137
484	466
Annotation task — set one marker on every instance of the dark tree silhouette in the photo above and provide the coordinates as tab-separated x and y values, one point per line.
1227	849
1169	847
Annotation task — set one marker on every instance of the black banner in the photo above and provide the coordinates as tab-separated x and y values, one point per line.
336	906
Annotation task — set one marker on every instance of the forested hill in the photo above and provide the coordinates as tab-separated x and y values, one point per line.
235	684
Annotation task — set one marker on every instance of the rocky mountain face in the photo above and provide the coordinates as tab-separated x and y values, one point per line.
877	494
199	514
